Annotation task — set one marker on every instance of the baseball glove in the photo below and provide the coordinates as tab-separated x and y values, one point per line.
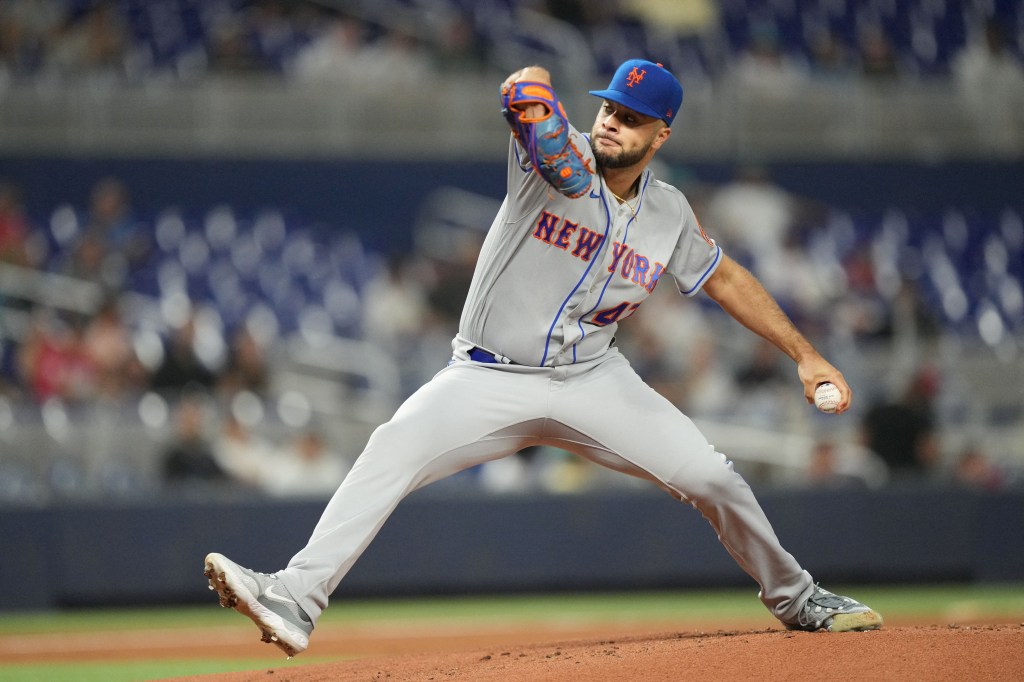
546	138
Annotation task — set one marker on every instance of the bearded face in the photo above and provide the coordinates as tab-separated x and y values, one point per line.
618	156
622	138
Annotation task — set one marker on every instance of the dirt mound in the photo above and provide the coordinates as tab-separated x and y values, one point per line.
977	652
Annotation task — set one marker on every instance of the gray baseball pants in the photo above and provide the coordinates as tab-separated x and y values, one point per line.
470	413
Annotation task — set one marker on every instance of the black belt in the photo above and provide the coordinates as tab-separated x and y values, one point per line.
480	355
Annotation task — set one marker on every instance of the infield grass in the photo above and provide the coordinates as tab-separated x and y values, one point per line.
937	604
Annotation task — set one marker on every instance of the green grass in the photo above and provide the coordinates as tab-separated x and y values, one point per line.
947	602
113	619
502	608
939	601
126	671
941	604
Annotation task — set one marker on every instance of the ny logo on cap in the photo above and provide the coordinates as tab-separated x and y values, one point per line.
635	77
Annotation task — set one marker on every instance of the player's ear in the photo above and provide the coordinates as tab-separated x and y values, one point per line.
661	137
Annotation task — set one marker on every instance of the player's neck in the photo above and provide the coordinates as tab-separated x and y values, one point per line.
624	183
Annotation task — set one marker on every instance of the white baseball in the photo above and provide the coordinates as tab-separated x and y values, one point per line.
827	397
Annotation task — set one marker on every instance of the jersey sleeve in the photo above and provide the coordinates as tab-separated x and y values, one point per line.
528	188
696	255
525	188
521	157
518	158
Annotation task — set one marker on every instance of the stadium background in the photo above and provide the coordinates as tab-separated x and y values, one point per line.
319	175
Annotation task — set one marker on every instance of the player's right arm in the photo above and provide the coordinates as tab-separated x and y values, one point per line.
741	295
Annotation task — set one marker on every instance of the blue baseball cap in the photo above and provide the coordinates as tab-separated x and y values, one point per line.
645	87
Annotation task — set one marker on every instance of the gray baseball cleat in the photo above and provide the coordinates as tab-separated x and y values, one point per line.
834	613
263	599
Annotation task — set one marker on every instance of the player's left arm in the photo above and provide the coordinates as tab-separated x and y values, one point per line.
741	295
539	122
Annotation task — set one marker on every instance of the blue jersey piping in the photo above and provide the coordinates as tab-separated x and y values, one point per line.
718	255
583	277
625	239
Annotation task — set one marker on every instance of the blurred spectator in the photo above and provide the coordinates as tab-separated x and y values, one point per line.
96	40
673	17
246	367
26	29
902	431
188	456
112	241
110	217
797	282
394	304
342	54
654	363
231	49
397	58
453	276
764	386
241	453
911	314
9	386
335	55
763	368
974	469
579	13
460	48
752	215
52	360
14	227
764	69
862	312
306	467
878	62
182	367
990	77
274	25
829	59
395	315
987	67
708	386
107	344
823	470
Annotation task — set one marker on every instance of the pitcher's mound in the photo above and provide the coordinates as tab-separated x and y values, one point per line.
977	652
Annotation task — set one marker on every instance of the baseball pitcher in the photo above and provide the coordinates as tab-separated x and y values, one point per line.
584	235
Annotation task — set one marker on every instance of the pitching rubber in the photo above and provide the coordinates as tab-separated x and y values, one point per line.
233	593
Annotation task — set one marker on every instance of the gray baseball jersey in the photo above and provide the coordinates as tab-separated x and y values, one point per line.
556	275
534	364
